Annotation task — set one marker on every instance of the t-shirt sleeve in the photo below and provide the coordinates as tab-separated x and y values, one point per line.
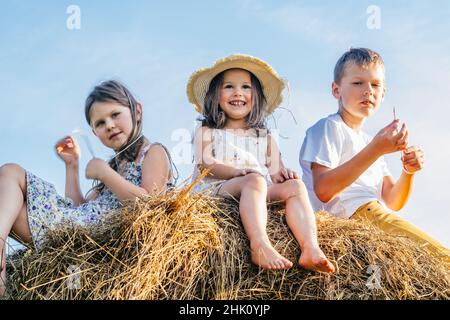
322	144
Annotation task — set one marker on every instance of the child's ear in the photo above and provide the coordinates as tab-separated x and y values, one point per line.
139	111
335	90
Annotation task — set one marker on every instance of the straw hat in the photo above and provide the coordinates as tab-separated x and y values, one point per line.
271	83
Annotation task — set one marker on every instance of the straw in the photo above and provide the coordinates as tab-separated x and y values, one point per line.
181	246
86	140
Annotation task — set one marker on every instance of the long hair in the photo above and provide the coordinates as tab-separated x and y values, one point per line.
114	91
214	117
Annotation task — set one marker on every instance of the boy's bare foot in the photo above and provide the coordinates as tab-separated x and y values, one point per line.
314	259
265	256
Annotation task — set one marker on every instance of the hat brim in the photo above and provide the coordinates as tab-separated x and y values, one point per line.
272	84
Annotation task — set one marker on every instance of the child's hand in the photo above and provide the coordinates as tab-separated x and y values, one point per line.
96	168
412	159
244	172
390	139
68	150
283	175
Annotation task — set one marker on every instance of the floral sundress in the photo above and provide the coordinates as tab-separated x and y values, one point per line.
46	209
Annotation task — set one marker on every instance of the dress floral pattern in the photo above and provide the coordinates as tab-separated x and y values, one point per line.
46	209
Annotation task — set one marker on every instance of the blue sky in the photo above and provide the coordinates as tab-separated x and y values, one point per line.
47	70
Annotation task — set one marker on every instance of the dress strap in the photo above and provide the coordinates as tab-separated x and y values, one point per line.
144	151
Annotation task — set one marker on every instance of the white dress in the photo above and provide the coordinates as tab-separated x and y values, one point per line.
238	148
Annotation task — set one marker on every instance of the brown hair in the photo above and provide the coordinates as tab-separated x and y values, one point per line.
360	56
114	91
213	115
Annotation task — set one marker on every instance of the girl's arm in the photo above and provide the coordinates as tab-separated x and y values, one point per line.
68	150
123	189
277	170
73	190
205	160
155	175
155	170
274	162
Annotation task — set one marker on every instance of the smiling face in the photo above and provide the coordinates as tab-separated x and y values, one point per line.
112	123
236	94
360	91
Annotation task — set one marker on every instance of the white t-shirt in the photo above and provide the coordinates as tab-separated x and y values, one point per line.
330	142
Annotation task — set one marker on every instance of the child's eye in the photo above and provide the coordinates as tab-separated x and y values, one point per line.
246	86
357	83
115	114
228	86
100	123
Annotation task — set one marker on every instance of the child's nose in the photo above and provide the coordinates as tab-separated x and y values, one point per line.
238	92
110	124
368	89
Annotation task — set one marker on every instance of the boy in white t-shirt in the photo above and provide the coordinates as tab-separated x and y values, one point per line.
344	169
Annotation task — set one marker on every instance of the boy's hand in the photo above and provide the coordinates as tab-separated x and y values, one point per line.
390	139
96	169
68	150
283	175
244	172
412	159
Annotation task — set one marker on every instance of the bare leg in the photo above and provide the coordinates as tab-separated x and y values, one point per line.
302	222
252	190
13	214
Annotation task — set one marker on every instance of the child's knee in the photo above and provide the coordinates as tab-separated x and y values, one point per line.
11	170
255	181
294	188
14	172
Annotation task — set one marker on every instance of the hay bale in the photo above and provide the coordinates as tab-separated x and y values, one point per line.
183	246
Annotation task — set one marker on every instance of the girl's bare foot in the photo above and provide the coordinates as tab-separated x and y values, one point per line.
314	259
265	256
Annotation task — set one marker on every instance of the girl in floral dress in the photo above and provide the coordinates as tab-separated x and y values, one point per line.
30	206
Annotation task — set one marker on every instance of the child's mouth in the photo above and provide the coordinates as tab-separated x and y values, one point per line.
367	103
114	135
237	103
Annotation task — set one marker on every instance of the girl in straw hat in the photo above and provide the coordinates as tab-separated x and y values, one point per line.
30	206
234	98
